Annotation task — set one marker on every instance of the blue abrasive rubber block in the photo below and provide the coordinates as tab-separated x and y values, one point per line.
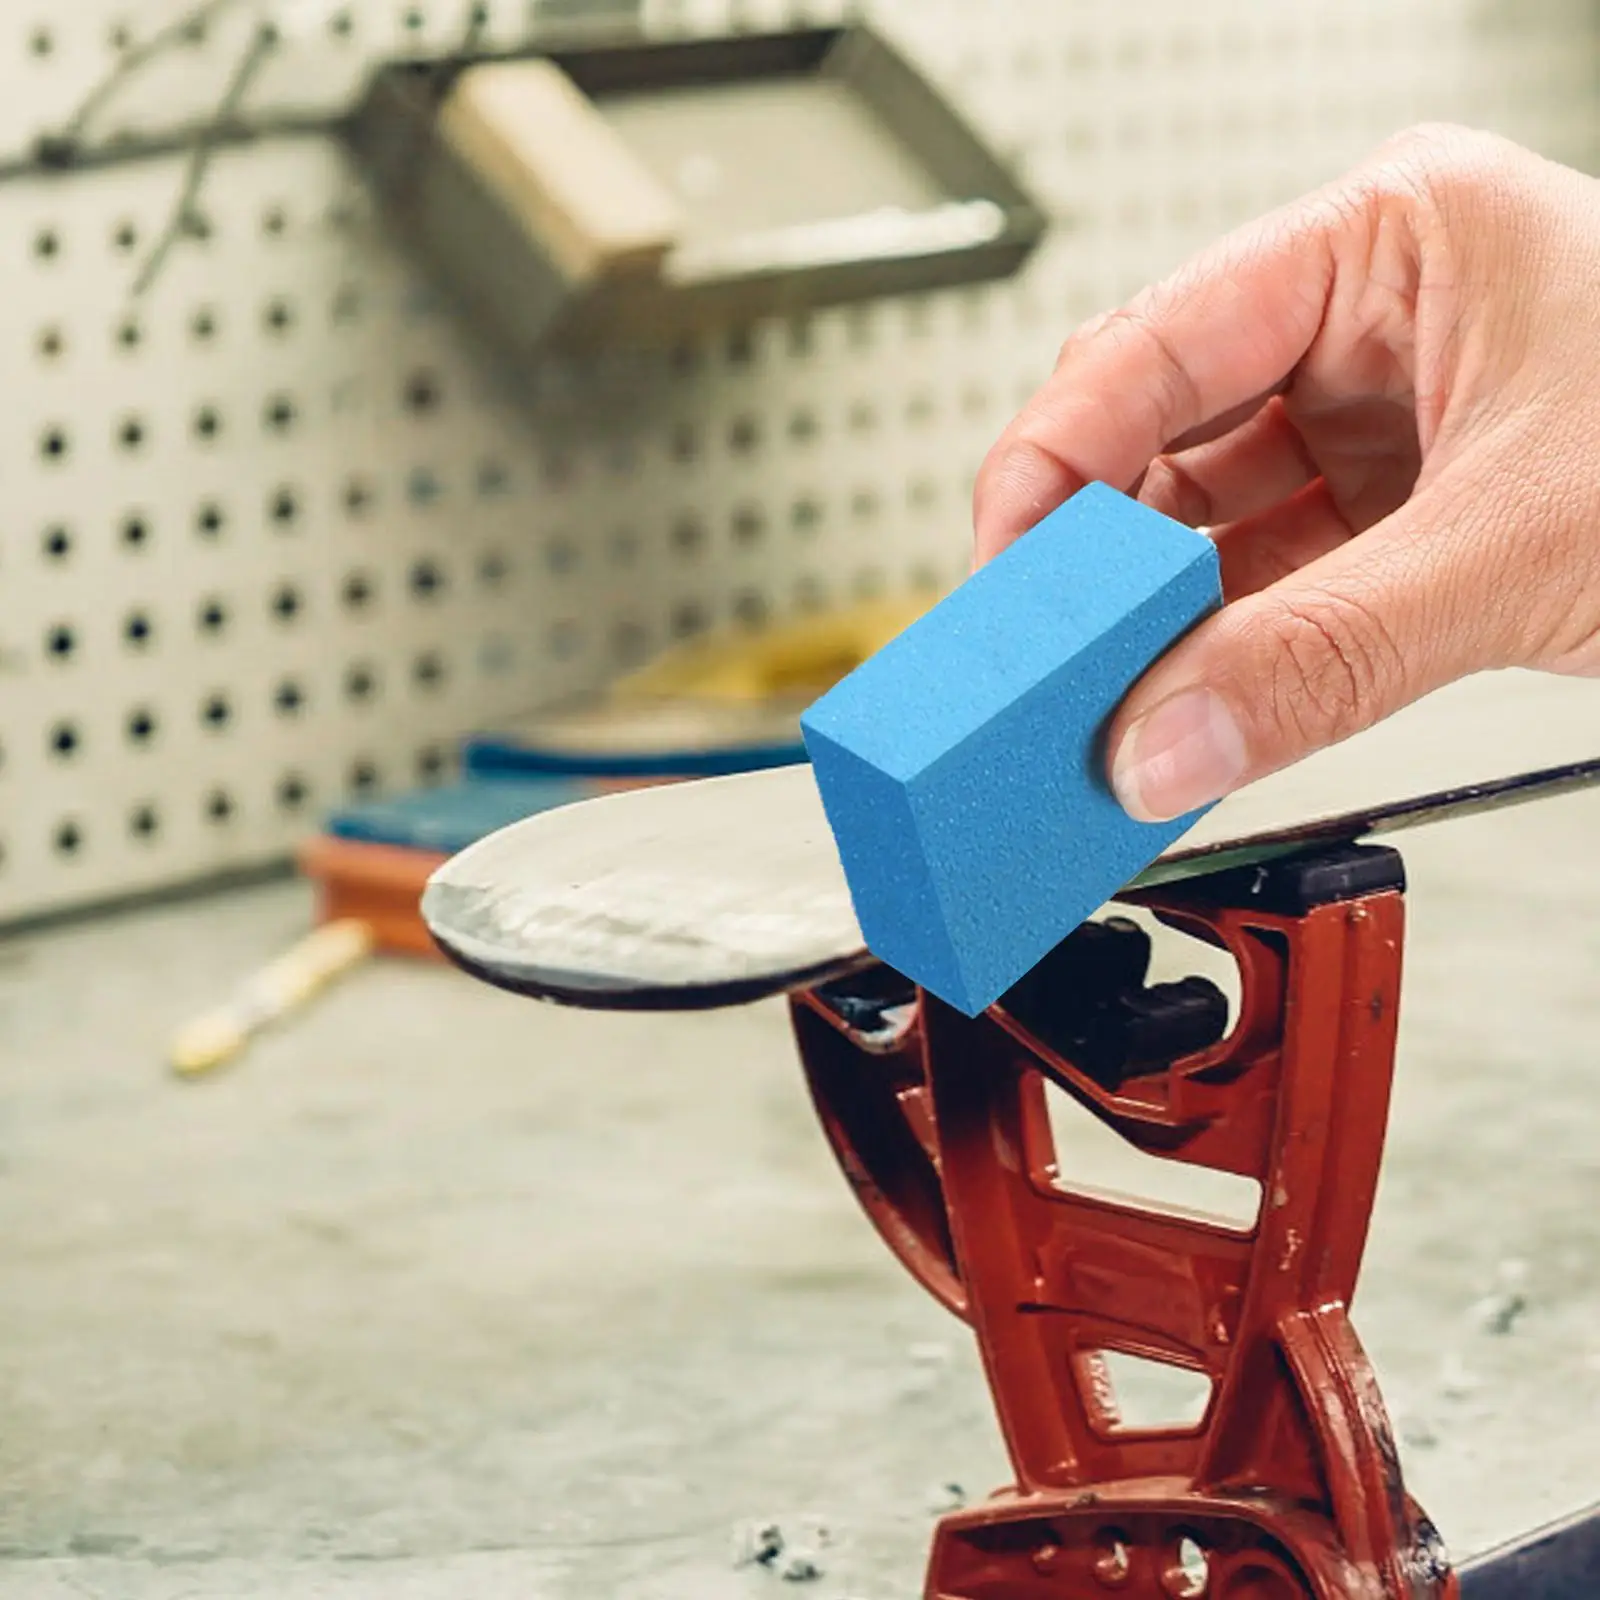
962	767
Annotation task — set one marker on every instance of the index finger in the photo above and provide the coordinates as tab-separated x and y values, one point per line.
1223	332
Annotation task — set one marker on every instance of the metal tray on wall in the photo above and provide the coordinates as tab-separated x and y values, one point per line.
856	178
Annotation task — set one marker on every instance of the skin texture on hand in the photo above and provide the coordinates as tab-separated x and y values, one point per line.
1383	400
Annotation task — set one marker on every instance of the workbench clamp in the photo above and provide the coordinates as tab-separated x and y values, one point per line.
1284	1482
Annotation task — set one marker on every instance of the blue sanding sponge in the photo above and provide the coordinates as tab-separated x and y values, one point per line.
962	767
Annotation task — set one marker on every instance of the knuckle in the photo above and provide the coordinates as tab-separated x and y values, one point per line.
1081	336
1171	488
1335	665
1458	171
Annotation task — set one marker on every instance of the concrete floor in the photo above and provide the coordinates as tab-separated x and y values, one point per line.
442	1293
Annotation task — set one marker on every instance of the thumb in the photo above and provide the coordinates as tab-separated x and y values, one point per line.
1336	646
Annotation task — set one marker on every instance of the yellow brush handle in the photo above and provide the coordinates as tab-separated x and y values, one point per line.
277	989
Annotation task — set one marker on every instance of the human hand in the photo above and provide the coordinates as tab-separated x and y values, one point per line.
1383	400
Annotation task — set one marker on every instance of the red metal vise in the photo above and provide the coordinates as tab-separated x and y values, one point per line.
1288	1486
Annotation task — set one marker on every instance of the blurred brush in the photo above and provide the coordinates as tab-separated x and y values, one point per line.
286	984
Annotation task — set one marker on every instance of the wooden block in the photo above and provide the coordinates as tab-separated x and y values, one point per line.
962	767
554	162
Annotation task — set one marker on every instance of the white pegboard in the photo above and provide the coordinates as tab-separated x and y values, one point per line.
276	533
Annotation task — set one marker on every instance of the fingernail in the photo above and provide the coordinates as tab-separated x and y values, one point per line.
1184	754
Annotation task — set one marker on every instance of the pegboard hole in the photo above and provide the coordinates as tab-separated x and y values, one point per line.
494	566
566	639
210	520
140	726
287	602
203	324
749	526
289	698
125	237
65	741
750	608
870	583
802	337
138	630
51	343
358	591
212	617
68	839
922	494
293	791
341	26
431	761
683	443
803	425
744	434
207	424
360	683
629	642
46	245
358	497
119	38
129	334
56	543
274	221
688	535
862	417
493	480
41	42
61	642
689	617
865	504
683	358
135	531
144	821
216	712
363	777
278	316
55	444
131	434
283	508
427	579
220	808
423	488
280	413
558	469
805	516
810	593
420	394
740	347
428	670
